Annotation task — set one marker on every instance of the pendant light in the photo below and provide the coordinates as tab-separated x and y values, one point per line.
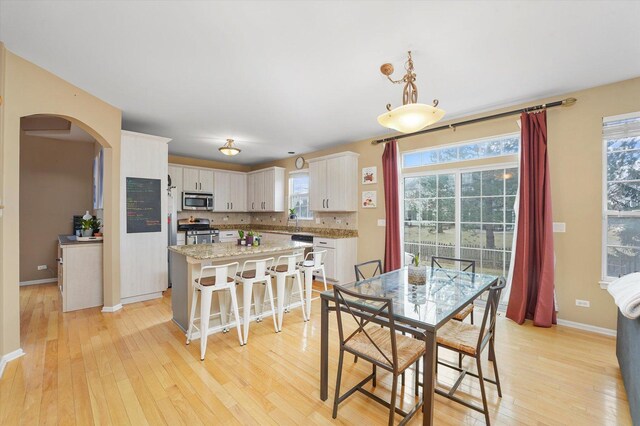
411	116
229	149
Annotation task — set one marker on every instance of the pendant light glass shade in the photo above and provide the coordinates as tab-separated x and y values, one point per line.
410	118
228	148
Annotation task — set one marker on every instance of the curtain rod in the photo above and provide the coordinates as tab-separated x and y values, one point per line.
565	102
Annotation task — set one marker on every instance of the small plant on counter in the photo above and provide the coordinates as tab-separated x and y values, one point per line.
241	240
96	225
416	259
250	235
87	227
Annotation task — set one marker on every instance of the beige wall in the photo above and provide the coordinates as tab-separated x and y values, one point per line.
27	90
199	162
56	182
575	152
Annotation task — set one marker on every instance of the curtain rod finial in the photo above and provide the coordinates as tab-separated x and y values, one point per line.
569	102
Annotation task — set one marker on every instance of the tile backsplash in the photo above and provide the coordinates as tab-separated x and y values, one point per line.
219	218
327	220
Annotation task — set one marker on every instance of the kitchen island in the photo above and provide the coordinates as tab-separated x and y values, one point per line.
187	260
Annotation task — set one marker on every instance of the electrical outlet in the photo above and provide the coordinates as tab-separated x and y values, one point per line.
317	221
338	221
273	219
382	222
226	218
583	303
42	267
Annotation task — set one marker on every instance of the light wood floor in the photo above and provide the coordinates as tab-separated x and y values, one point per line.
133	367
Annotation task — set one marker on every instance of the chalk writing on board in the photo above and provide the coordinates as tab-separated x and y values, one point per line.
143	205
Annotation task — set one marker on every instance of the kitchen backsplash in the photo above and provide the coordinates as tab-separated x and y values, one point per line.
219	218
327	220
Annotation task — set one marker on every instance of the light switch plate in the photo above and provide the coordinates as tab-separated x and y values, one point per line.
317	220
559	227
225	218
382	222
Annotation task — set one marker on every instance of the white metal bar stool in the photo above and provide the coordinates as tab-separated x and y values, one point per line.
255	272
206	286
284	268
313	262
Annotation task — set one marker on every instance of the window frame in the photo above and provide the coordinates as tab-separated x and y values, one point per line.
606	213
457	145
290	193
458	171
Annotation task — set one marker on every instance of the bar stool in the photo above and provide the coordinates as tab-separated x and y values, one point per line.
206	286
286	267
255	272
313	262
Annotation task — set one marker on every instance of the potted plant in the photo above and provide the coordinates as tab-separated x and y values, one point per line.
250	235
417	275
95	225
292	214
241	240
87	227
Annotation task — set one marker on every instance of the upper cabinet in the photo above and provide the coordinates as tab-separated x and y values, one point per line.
333	182
197	180
230	193
265	190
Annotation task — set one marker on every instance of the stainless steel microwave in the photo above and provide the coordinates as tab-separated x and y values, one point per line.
197	201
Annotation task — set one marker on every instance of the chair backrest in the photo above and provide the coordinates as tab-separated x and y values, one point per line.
317	257
221	272
290	260
261	267
363	315
362	268
464	265
488	326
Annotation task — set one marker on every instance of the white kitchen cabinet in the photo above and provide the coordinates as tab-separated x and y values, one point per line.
175	173
333	182
197	180
342	254
265	190
230	194
80	275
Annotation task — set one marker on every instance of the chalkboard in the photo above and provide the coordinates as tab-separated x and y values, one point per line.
143	205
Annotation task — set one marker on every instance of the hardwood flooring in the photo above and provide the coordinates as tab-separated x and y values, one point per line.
133	367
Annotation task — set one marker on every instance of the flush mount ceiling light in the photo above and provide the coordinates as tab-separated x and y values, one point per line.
411	116
229	149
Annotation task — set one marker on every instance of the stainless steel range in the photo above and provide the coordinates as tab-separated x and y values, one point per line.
198	231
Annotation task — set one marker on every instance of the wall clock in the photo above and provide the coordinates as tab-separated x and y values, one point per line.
299	163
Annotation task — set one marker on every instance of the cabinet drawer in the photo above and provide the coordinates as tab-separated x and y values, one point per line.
324	242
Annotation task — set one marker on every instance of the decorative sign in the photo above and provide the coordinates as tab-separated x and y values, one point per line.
369	199
143	205
369	175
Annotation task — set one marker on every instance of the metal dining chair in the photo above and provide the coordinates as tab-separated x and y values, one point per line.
470	340
464	265
381	346
362	268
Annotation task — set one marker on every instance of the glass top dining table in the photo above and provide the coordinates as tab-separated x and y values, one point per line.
423	299
423	295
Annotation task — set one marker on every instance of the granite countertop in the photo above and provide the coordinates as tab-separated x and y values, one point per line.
69	240
278	229
231	250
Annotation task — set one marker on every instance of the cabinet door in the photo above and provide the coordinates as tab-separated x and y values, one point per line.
269	180
329	261
318	185
221	201
190	180
336	182
251	204
259	192
238	195
206	181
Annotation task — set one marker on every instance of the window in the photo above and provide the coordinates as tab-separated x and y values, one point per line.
485	148
621	195
467	213
299	194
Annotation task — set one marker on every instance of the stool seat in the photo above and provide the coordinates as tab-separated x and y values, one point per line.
207	281
279	268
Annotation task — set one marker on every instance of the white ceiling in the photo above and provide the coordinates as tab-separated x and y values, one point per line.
299	76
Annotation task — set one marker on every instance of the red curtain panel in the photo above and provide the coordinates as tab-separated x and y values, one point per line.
532	291
392	258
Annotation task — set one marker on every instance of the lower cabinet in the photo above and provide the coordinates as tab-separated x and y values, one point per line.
80	275
341	256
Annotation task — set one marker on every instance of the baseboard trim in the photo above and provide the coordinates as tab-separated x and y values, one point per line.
9	357
36	282
587	327
111	309
141	298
